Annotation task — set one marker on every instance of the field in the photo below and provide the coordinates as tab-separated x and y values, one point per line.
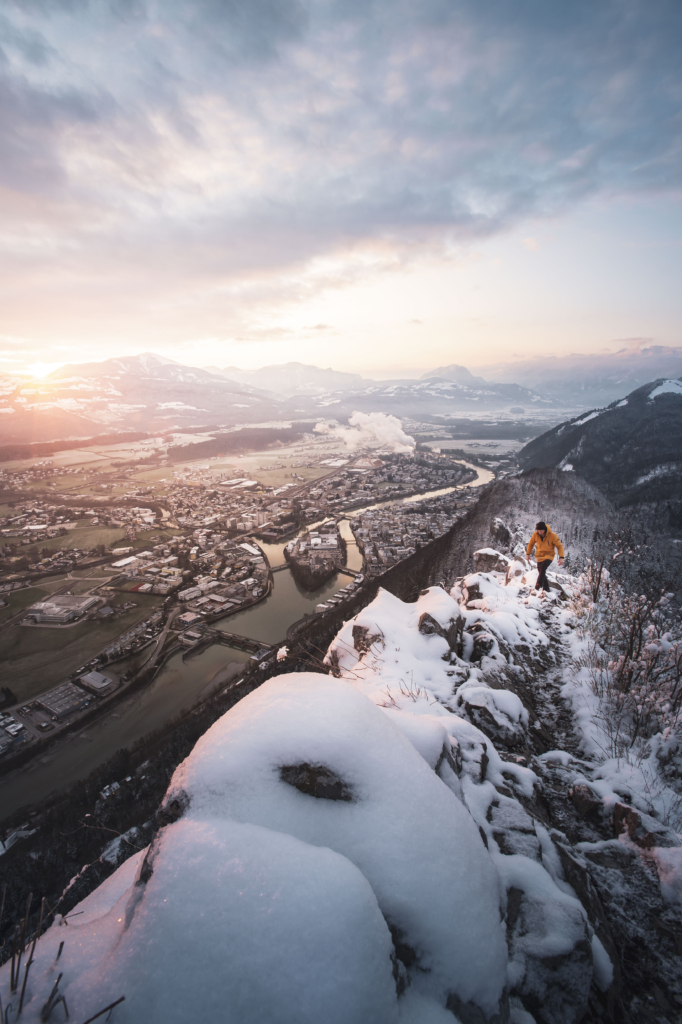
34	659
18	600
154	536
249	465
82	537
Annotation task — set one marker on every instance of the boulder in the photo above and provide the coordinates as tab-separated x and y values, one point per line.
489	560
641	828
499	714
429	626
516	568
550	957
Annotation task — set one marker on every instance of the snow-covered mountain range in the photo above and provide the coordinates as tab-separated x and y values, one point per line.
151	393
145	392
631	450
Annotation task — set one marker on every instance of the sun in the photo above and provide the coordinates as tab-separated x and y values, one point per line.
42	369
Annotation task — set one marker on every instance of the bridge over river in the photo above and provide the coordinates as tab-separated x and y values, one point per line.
219	636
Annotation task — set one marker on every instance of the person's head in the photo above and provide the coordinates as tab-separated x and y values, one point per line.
541	528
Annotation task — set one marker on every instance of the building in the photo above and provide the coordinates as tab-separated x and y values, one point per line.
187	618
63	700
125	563
60	609
97	683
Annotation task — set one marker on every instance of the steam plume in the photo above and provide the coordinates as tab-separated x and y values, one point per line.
364	428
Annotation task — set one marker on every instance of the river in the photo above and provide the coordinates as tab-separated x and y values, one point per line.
179	685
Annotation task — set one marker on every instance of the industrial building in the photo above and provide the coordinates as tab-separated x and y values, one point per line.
59	610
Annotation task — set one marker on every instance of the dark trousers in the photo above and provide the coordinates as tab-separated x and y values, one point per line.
543	582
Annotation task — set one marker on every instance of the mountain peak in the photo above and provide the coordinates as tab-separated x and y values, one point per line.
453	371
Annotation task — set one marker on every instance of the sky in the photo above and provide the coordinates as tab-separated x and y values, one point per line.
382	186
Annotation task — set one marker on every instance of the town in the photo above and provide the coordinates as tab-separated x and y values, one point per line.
133	584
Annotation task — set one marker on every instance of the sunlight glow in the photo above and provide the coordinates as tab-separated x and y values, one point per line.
41	369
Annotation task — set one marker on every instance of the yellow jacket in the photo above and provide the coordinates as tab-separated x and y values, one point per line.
544	551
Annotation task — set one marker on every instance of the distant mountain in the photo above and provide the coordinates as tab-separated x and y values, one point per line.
589	380
151	393
631	450
514	393
292	379
455	372
425	399
145	392
315	391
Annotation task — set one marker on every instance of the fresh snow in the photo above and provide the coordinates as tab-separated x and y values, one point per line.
668	387
382	897
586	419
427	870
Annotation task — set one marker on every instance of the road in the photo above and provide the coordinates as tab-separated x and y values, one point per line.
160	640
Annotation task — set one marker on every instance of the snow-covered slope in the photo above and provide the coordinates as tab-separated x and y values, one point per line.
632	450
424	399
491	392
380	844
145	392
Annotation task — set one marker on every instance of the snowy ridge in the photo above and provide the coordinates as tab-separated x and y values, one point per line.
379	844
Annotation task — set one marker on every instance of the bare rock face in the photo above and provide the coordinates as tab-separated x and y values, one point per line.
172	808
484	642
489	560
316	780
453	632
641	828
586	802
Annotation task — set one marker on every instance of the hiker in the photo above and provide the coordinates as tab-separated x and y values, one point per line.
545	543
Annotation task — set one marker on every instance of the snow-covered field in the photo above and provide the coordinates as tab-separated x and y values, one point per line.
379	844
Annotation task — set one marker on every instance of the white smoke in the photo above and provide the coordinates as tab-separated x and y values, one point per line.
364	428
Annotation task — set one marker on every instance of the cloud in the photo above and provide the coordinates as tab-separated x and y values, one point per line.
183	155
367	428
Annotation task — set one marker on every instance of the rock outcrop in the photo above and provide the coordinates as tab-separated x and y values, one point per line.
418	835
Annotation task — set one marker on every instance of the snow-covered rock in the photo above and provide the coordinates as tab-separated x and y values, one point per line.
490	560
372	845
223	920
399	825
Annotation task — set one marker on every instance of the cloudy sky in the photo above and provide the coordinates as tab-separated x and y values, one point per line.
379	185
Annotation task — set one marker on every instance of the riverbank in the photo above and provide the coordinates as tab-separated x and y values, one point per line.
177	685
